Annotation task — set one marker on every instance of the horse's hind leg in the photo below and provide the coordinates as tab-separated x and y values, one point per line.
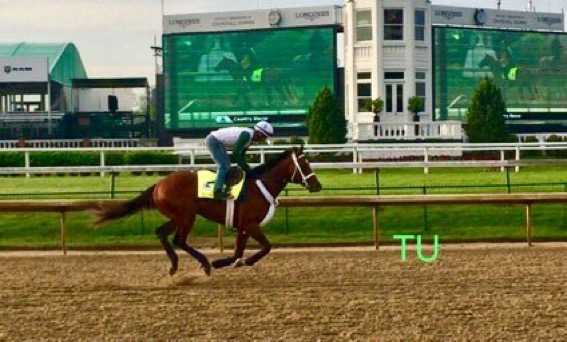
241	240
180	240
162	232
266	247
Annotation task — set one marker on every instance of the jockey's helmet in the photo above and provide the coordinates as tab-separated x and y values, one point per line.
264	128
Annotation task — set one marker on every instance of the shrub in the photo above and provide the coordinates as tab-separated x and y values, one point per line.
326	121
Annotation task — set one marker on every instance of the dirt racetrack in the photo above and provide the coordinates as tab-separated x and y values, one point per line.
507	293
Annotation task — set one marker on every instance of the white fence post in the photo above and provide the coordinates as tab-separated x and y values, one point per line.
502	160
517	168
426	159
27	162
102	162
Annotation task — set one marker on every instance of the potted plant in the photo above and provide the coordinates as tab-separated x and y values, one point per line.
415	105
375	106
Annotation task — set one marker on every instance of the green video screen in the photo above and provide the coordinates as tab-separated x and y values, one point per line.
529	67
218	79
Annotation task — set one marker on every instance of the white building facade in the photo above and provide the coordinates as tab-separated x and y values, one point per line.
389	54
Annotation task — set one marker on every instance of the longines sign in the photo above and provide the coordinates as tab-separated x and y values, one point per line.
464	16
250	20
23	69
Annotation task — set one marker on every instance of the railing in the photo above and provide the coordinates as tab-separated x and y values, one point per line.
374	202
73	143
363	156
441	130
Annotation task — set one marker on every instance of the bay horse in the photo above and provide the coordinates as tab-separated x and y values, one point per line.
273	80
524	77
175	197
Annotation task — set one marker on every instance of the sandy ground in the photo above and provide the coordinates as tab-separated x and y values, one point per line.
505	293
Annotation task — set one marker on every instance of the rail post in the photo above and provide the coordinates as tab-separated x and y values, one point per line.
502	159
27	163
112	184
424	191
508	185
286	214
517	168
63	224
102	162
426	159
354	159
529	223
376	227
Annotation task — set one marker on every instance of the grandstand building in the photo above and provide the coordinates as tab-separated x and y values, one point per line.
45	93
393	49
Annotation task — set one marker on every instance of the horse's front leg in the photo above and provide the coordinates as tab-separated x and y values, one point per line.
241	240
266	247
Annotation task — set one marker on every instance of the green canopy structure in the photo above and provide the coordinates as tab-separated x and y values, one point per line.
63	59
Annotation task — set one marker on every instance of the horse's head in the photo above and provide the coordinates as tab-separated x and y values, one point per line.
224	64
487	61
302	172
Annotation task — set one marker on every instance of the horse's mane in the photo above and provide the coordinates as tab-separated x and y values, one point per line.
269	164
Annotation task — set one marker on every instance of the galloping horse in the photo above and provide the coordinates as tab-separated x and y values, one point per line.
523	77
273	80
176	198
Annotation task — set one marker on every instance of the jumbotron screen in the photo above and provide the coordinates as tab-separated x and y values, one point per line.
238	78
529	67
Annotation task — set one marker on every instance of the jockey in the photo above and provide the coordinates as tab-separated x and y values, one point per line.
236	139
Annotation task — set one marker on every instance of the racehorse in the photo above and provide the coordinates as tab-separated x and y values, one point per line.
176	198
520	76
273	80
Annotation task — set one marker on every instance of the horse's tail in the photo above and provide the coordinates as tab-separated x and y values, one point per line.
106	214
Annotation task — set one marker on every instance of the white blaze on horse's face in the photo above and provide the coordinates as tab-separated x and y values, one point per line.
304	178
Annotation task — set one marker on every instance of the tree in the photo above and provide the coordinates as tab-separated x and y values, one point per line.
415	105
485	116
375	106
325	121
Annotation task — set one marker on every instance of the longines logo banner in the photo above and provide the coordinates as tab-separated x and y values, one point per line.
254	19
23	69
449	15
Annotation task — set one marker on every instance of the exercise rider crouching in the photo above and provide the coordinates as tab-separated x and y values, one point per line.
238	140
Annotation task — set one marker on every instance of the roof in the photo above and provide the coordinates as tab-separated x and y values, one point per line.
64	59
127	82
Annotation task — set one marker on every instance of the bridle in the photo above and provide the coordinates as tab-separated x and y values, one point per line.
304	178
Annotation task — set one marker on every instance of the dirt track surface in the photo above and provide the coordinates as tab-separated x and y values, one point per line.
511	294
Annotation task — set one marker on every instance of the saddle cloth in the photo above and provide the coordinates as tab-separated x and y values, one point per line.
206	183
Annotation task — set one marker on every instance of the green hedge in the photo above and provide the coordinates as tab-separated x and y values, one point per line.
52	159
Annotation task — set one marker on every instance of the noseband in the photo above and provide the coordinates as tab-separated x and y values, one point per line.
304	178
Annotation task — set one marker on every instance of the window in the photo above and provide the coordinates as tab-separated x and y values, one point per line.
420	25
394	75
363	25
363	89
393	24
420	86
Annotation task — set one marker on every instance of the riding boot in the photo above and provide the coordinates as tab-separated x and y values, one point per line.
220	195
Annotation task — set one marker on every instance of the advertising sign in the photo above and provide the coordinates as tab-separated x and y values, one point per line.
530	68
252	20
493	18
23	69
226	78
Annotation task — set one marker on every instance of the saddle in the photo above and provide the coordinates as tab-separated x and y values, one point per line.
206	180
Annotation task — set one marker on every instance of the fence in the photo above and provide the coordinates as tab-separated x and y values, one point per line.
363	156
374	202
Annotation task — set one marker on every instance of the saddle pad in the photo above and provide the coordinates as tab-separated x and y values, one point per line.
206	183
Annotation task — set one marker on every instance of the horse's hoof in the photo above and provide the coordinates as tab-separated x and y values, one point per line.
172	271
207	269
238	263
